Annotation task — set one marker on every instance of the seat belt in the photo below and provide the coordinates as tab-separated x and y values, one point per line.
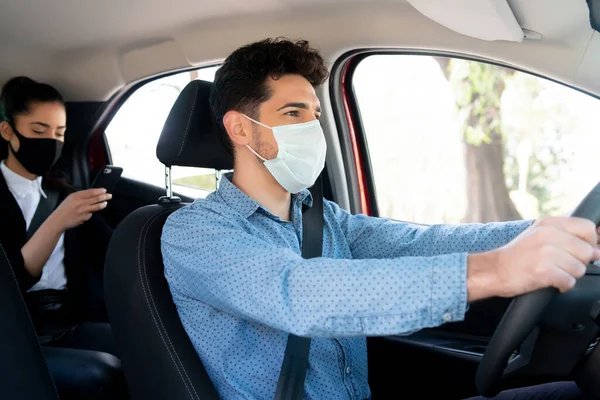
295	360
45	207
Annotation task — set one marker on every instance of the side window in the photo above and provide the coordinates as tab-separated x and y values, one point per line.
453	140
133	133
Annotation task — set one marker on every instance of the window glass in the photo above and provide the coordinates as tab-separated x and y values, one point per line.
453	140
133	134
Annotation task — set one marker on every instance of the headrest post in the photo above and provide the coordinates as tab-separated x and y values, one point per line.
218	175
169	198
168	182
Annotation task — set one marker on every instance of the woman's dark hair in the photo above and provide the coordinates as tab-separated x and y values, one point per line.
241	82
18	94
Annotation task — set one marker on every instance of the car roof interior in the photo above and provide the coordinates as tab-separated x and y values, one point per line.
97	53
90	50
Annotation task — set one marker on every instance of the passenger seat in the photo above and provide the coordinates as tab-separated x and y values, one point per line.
25	365
23	370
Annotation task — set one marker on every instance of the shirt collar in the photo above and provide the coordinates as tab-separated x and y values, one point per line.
19	185
246	205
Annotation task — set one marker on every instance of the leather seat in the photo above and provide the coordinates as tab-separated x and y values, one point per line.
86	374
25	366
159	359
23	370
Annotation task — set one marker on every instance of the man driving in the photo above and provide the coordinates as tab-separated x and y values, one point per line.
234	265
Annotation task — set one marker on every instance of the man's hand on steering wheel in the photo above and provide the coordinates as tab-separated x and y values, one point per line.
551	256
553	252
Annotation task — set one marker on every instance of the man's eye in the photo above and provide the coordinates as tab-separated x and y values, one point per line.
293	113
39	132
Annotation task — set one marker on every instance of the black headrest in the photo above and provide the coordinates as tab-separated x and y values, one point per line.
190	137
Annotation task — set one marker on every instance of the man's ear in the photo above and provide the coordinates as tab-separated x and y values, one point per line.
6	131
238	128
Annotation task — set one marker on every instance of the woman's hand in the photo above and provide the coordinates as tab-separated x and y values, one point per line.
78	207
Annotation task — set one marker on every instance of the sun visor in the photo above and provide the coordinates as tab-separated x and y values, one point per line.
482	19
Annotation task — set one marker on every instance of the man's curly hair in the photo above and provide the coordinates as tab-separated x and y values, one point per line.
241	82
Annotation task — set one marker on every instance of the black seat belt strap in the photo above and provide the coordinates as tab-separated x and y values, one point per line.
42	212
295	360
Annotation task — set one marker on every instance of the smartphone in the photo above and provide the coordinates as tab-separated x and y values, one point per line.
108	178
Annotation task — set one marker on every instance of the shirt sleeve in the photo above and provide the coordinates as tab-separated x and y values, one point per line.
211	259
370	237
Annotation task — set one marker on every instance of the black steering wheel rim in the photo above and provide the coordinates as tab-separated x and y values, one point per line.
520	321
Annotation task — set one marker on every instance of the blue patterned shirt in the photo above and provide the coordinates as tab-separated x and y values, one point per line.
240	284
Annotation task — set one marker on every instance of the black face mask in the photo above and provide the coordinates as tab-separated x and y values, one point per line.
37	155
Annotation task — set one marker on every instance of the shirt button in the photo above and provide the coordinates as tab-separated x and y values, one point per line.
447	317
348	370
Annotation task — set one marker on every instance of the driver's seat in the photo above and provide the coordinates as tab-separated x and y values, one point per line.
159	359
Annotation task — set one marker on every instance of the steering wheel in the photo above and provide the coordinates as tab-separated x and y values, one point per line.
547	333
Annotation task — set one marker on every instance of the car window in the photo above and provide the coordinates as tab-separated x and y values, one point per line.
453	140
133	134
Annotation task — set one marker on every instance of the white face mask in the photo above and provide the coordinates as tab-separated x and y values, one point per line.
301	156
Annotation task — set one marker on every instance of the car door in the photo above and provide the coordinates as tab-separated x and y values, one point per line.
432	139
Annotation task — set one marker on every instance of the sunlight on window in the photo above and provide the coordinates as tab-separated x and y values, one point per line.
460	141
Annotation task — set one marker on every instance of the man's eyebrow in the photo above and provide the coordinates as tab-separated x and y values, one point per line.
298	105
46	125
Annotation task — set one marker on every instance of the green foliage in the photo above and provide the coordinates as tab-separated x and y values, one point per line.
478	88
542	120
